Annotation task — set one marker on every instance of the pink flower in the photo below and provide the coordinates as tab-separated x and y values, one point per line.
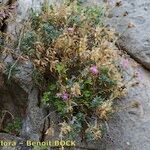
125	63
70	29
64	96
94	70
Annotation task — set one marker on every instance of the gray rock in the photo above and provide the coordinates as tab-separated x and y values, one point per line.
7	137
3	1
136	40
26	5
13	98
33	124
21	99
129	128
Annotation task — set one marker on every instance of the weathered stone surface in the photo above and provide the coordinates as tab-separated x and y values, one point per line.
19	142
20	97
33	124
13	98
26	5
129	128
131	20
135	40
3	1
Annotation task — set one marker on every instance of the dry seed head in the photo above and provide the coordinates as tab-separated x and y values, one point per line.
104	110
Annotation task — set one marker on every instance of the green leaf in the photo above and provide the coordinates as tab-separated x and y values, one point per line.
87	94
88	81
60	106
60	68
14	126
46	98
28	41
52	87
96	102
105	70
106	81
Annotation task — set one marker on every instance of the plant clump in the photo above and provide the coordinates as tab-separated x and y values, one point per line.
11	125
14	127
74	53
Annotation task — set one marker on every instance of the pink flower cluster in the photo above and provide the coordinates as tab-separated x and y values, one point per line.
64	96
94	70
70	30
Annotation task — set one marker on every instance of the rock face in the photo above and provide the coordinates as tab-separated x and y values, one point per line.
135	40
33	123
131	20
25	5
3	1
13	100
129	128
